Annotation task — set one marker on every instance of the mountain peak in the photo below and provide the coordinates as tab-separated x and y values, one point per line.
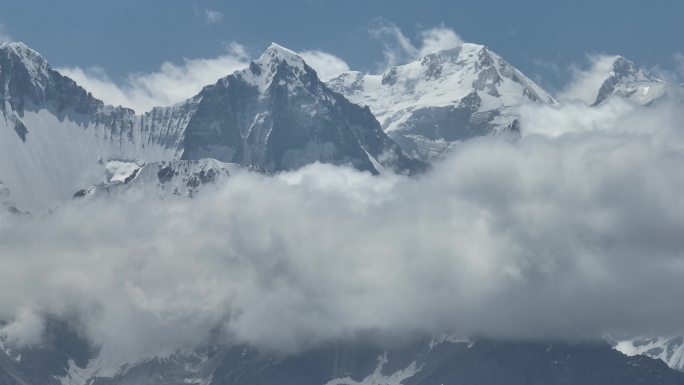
276	62
447	96
28	56
280	50
628	80
277	54
16	55
624	70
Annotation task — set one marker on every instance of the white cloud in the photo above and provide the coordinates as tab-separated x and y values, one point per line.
438	39
327	65
213	17
172	83
585	83
399	49
572	232
4	36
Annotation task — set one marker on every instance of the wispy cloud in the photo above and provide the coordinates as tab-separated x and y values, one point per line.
586	82
679	65
398	48
212	16
327	65
4	36
172	83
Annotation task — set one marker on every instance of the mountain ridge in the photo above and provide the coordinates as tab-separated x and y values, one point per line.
431	103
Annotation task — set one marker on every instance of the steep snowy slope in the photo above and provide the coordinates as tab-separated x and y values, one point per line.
442	98
278	115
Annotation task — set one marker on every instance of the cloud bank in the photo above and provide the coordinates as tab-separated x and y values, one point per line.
572	232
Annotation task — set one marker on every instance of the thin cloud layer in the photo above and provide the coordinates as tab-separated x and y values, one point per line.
171	84
679	60
213	17
585	83
399	49
327	65
571	235
174	83
4	36
438	39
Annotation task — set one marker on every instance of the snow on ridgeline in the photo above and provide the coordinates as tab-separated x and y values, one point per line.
445	97
162	180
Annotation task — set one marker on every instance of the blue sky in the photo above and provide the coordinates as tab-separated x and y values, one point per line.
541	37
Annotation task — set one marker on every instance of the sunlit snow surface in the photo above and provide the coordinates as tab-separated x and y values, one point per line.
443	97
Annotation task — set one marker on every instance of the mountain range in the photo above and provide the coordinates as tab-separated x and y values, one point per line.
58	143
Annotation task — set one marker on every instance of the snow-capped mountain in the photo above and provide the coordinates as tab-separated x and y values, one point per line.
56	138
67	359
626	80
444	97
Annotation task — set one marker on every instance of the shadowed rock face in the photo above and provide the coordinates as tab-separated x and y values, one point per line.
435	362
278	115
161	180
